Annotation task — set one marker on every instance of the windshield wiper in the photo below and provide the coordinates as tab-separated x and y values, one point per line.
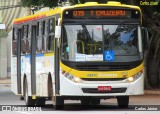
86	31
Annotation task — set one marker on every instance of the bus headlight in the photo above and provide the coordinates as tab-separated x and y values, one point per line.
135	77
72	78
130	79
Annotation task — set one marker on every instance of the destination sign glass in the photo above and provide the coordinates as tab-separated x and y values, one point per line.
100	14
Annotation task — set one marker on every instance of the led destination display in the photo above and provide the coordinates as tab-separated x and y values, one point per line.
100	14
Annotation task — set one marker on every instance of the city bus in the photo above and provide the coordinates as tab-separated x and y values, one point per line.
85	52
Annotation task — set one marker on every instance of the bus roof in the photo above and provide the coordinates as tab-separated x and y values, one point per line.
59	10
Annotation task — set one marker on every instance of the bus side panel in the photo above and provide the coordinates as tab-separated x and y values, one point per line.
14	75
44	66
49	68
28	72
22	73
40	75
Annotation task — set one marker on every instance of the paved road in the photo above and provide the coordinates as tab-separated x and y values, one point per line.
136	103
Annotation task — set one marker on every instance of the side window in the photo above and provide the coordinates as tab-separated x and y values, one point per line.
52	25
23	40
50	41
20	36
44	37
14	42
43	27
28	39
39	37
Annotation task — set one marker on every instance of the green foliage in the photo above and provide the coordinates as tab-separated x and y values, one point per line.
44	3
99	1
28	3
53	3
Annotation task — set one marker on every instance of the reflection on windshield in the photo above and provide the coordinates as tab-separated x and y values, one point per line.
89	42
122	39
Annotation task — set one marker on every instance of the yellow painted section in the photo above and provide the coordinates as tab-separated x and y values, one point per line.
49	54
113	3
64	67
102	74
33	96
91	3
48	13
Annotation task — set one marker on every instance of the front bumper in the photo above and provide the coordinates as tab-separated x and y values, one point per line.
119	88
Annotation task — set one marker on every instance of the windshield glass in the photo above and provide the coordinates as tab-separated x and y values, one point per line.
112	43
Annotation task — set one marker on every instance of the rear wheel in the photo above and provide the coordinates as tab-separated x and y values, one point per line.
28	99
123	101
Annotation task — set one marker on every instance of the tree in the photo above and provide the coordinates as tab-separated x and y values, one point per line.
53	3
44	3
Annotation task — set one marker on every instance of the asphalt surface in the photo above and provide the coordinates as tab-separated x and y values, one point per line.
9	98
138	105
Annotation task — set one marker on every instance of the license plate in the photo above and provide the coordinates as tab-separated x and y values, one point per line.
104	88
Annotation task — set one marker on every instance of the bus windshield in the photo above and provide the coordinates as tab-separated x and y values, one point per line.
82	42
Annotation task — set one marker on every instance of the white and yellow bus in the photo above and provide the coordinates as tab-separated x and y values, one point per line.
85	52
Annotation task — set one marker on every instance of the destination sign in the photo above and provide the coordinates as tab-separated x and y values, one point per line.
100	14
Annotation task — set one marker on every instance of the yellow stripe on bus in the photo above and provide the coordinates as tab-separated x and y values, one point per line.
49	54
102	74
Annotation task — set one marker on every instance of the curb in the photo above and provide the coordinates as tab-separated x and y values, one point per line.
152	92
6	81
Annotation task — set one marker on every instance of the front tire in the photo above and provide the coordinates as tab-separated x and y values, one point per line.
123	101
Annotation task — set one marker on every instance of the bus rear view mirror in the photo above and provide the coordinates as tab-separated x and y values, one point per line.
58	29
145	38
58	32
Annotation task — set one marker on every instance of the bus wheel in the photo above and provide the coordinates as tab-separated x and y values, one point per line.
58	103
28	99
40	102
95	101
123	101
